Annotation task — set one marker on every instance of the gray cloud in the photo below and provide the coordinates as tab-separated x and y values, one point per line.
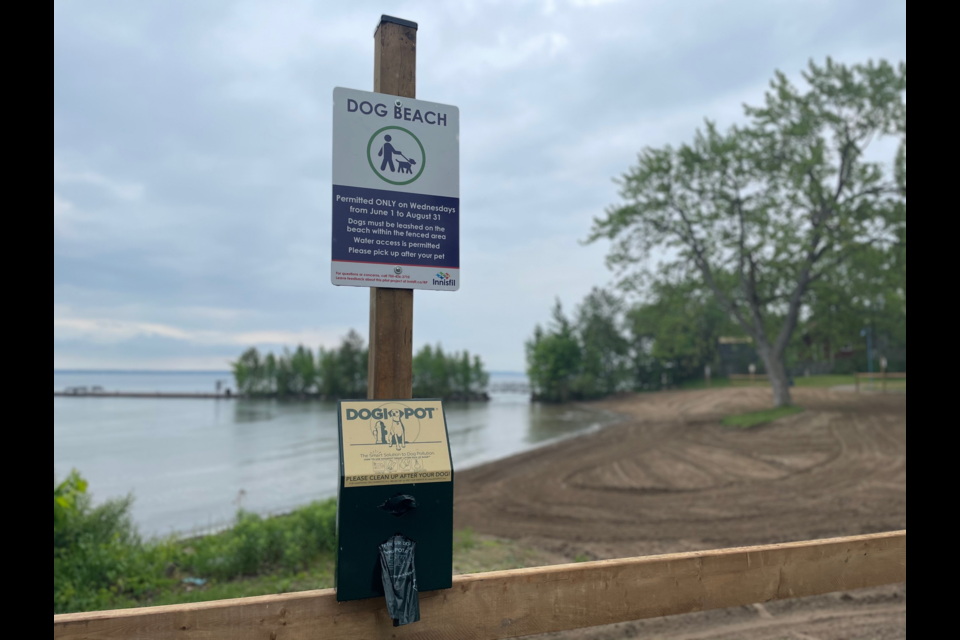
192	154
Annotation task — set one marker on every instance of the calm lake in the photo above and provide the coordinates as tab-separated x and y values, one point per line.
192	463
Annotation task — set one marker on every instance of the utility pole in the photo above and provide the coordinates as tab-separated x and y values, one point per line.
390	364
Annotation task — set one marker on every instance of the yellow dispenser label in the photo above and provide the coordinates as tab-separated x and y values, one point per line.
394	442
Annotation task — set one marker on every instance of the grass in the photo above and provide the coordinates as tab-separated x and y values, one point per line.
473	553
761	381
757	418
317	576
101	562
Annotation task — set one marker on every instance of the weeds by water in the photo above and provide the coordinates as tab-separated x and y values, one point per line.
101	562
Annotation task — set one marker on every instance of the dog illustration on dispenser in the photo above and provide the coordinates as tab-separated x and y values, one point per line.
396	431
405	167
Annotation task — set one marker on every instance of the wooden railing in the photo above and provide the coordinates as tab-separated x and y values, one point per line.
509	604
883	376
747	377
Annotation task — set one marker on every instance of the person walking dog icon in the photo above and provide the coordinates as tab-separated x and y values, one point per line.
387	151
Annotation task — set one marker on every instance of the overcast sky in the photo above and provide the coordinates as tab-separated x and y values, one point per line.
192	142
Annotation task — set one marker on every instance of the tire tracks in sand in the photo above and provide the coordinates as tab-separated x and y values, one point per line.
669	478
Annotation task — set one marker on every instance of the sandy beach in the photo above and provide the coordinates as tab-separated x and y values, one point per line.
670	478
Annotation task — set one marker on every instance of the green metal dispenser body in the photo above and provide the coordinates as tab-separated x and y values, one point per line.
364	520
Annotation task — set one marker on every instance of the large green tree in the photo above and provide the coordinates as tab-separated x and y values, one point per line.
675	331
762	212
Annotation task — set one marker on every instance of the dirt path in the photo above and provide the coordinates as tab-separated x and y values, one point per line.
671	479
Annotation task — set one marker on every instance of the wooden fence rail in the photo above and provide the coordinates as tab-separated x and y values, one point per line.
750	377
883	376
509	604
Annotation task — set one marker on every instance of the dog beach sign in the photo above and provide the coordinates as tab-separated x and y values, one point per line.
396	192
391	442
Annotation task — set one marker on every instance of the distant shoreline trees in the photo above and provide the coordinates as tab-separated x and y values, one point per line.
341	372
608	345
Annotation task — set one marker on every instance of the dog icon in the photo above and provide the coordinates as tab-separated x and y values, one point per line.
405	167
396	431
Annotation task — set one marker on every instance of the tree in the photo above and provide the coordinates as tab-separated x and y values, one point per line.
303	371
553	359
604	367
454	376
479	378
250	374
343	371
761	213
675	332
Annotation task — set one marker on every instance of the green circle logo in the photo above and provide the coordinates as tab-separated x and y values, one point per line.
396	155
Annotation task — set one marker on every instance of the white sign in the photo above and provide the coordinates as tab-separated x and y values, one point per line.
396	192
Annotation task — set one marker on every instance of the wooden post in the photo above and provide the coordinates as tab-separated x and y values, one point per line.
390	364
883	374
706	375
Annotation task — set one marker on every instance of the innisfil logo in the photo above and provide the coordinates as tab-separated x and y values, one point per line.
445	280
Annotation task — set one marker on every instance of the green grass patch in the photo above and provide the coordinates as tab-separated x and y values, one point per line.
756	418
476	553
762	381
319	575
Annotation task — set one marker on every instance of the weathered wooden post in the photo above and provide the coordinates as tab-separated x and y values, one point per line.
753	373
395	228
706	375
390	361
883	374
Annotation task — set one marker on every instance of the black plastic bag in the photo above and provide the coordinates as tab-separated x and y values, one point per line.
399	575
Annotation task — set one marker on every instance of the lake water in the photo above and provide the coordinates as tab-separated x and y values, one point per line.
190	463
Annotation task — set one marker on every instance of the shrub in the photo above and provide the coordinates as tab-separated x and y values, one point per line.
100	560
98	557
256	545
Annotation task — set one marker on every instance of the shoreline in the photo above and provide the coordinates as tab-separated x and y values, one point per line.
558	424
149	394
200	395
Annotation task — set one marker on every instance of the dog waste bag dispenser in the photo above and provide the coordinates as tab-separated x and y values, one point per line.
395	501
